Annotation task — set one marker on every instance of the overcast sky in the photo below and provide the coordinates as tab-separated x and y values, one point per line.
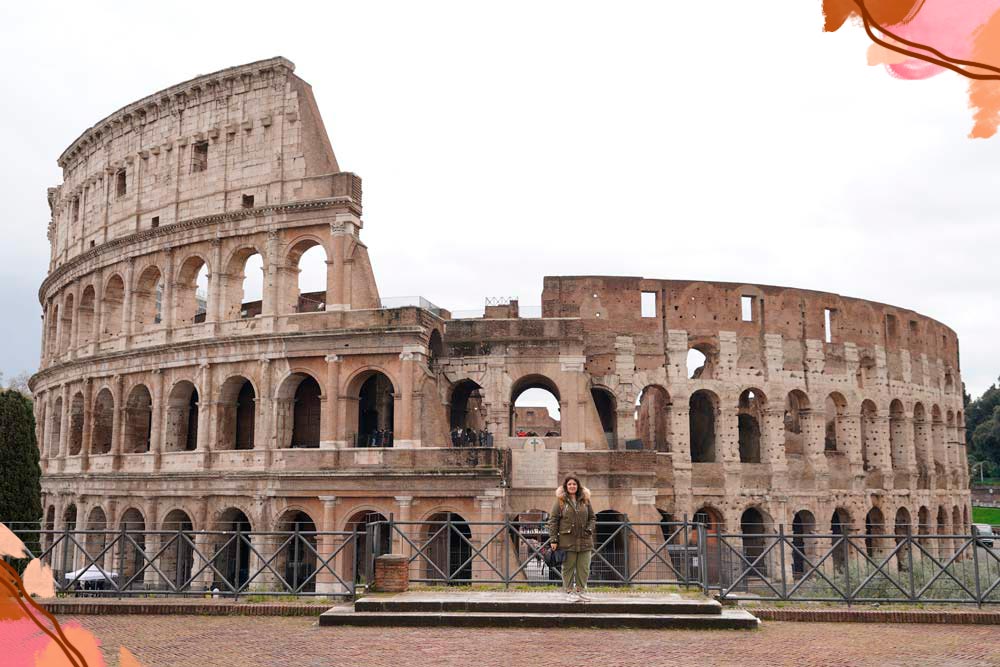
501	143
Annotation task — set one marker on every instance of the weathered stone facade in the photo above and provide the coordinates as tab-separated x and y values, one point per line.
156	408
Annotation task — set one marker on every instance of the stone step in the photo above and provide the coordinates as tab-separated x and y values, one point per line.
552	605
729	619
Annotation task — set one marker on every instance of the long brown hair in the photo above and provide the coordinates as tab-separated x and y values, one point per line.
578	496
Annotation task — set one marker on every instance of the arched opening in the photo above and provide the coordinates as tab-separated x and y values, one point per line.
753	526
942	522
182	418
380	541
835	407
237	414
52	335
112	315
85	317
866	375
796	408
66	339
147	309
921	446
376	411
244	285
191	292
308	261
297	561
652	418
610	562
703	409
448	548
96	538
466	410
714	526
874	530
535	407
527	539
897	434
966	526
55	427
604	401
232	556
803	525
306	413
924	525
69	549
840	528
869	435
133	545
938	444
103	422
49	527
76	424
178	552
750	417
435	347
138	420
901	530
700	362
956	521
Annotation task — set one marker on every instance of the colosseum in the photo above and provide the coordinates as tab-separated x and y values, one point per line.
163	404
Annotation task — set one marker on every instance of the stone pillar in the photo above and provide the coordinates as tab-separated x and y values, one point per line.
727	430
680	433
156	428
215	284
272	271
338	297
167	298
128	299
403	437
264	430
150	578
88	423
206	423
64	423
75	321
331	282
644	512
330	401
773	440
399	545
117	422
488	505
326	545
814	439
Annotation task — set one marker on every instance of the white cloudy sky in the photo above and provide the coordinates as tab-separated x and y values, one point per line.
726	141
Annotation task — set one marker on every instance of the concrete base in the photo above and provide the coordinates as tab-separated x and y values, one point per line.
537	610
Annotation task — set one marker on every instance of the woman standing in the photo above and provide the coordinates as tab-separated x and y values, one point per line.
571	529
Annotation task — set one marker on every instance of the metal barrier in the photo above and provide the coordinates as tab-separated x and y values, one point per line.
223	563
509	552
864	568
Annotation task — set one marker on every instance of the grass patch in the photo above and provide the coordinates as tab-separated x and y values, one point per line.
989	515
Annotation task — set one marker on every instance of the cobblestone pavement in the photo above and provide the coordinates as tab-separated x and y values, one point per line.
163	641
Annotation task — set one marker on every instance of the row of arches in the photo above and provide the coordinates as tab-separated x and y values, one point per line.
184	294
298	401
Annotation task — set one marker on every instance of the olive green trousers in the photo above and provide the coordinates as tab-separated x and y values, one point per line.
576	569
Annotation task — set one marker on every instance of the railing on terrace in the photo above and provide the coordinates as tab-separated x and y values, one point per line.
405	301
221	563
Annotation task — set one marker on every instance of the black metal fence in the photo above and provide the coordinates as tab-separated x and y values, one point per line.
219	563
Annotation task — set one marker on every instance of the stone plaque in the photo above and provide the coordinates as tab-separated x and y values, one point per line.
534	467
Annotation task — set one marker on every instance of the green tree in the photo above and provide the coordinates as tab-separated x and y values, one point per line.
982	427
20	474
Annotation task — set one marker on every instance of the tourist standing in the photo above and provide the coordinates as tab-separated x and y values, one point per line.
571	528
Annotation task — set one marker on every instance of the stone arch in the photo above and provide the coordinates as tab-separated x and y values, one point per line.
299	297
796	408
297	560
703	414
869	435
96	539
133	524
754	525
112	310
191	293
874	531
232	551
750	416
183	405
85	333
52	335
66	336
55	427
956	521
299	410
715	524
938	442
519	419
924	524
177	559
435	347
610	561
237	413
49	527
147	299
921	446
466	409
76	410
138	420
702	358
902	527
653	424
897	434
372	423
102	422
236	303
835	409
447	538
804	547
607	411
840	528
380	542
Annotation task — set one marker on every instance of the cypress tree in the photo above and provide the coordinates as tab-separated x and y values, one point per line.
20	473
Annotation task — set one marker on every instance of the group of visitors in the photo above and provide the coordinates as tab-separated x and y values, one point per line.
380	437
470	437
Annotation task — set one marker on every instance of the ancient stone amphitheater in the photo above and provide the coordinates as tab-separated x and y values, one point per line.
160	405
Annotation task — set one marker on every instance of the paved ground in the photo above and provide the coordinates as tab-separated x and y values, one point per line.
163	641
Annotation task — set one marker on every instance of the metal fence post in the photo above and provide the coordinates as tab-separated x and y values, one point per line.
781	546
354	561
847	568
121	560
686	560
505	545
909	563
703	556
237	568
447	553
975	569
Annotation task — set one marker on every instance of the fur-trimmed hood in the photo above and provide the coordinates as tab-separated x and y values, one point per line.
584	493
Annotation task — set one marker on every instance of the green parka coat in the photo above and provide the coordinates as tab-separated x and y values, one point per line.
571	524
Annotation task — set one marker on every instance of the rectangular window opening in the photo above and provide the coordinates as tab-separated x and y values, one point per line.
76	209
199	156
155	222
121	186
828	325
649	304
247	201
746	308
891	327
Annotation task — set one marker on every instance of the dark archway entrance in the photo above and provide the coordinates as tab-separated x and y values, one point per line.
449	549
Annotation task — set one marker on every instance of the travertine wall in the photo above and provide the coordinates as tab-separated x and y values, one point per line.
145	403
